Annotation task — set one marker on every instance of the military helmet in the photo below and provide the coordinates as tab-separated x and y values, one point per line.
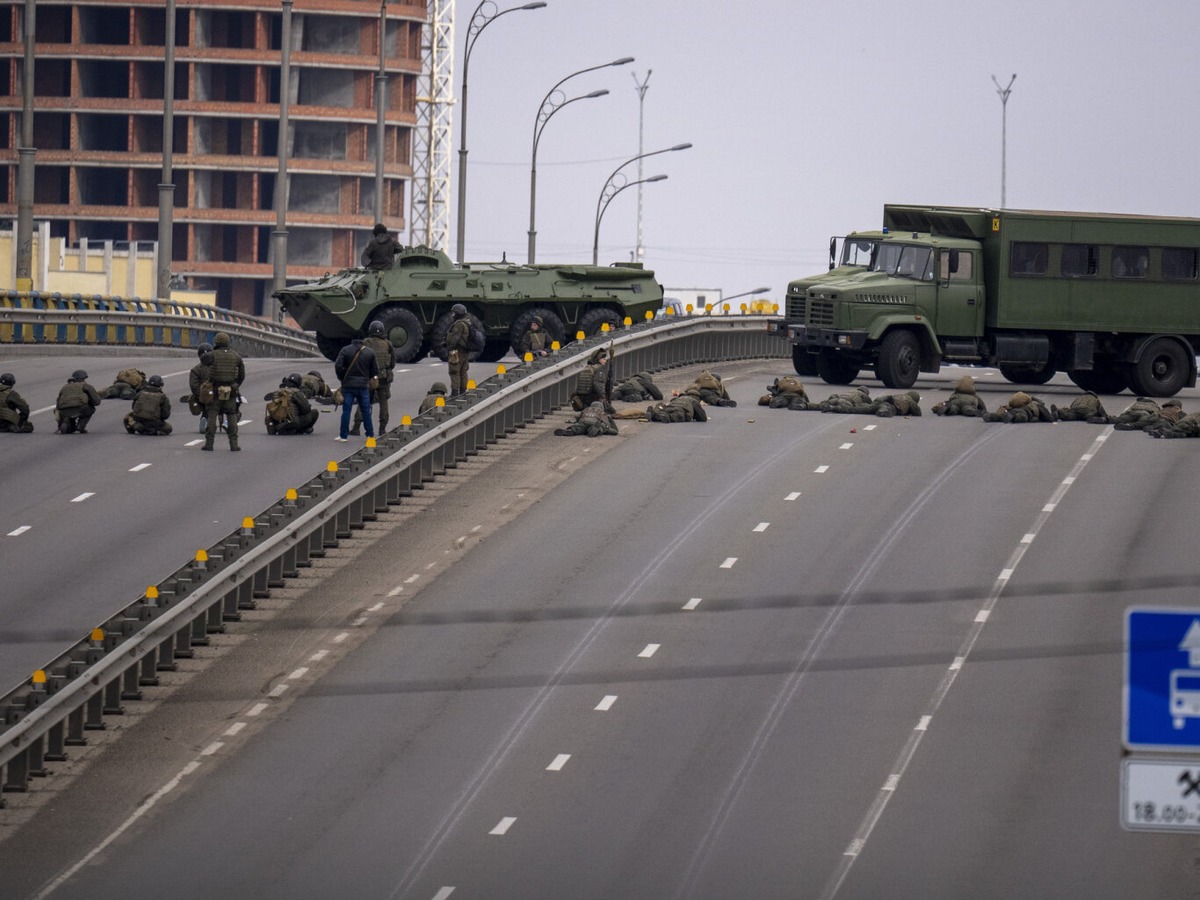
294	380
155	381
206	347
375	328
458	309
438	387
7	378
1171	402
79	375
220	339
914	395
315	374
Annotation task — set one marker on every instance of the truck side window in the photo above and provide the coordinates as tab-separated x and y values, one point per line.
1130	262
956	266
1179	263
1028	258
1079	260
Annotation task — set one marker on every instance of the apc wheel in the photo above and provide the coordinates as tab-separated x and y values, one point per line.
1107	379
494	350
330	347
551	324
803	362
437	336
404	331
899	360
1162	369
836	369
590	321
1028	374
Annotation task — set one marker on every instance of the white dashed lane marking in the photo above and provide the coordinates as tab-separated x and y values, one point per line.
846	446
762	526
792	496
820	470
648	651
558	762
140	466
503	825
19	531
444	892
607	703
692	604
83	496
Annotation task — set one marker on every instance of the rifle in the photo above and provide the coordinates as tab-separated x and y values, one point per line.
608	377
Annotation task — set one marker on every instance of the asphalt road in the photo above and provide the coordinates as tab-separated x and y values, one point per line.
776	655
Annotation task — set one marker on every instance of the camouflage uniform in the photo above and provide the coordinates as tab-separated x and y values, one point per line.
381	251
857	400
637	389
126	385
227	373
1144	413
1185	427
592	422
301	416
151	409
14	411
197	376
535	341
315	388
77	401
437	389
681	408
1087	408
1021	407
963	402
906	404
386	359
708	388
591	384
458	339
786	393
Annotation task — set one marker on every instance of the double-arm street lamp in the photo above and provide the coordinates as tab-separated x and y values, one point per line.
485	14
761	290
552	103
613	186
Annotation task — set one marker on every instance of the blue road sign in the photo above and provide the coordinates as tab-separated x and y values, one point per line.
1162	679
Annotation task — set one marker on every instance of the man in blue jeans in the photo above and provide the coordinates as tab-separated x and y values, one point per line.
357	368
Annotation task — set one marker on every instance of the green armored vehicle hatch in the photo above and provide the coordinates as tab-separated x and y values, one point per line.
413	298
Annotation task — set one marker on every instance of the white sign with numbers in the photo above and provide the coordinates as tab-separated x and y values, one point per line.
1160	795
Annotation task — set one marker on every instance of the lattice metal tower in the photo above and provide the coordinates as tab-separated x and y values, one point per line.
429	212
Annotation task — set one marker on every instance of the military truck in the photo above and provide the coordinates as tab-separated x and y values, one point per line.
414	296
1112	300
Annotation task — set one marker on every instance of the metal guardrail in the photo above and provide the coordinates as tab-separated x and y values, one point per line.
55	710
80	320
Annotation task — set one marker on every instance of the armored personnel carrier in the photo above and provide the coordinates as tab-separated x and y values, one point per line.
413	298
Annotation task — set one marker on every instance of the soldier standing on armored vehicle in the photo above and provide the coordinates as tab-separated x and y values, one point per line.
381	251
458	340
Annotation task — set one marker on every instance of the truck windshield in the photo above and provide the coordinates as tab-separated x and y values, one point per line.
856	251
904	261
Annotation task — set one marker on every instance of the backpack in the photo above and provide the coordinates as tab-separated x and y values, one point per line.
279	407
476	340
206	393
132	377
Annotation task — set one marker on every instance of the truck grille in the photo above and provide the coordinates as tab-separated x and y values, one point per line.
794	309
820	313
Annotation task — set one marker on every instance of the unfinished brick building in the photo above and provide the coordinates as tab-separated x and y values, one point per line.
98	128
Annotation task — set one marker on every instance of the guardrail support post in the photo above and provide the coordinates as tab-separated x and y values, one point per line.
132	689
55	749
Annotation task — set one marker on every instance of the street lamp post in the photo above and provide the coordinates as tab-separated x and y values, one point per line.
552	103
480	19
380	112
279	237
1003	92
761	290
611	189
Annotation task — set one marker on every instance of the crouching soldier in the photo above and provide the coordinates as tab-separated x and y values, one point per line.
906	404
963	402
1087	408
77	401
592	422
288	409
637	389
151	409
1144	413
786	393
708	387
1021	407
437	391
680	408
856	400
14	411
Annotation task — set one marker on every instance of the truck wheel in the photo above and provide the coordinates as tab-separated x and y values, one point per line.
330	347
1106	379
551	324
494	350
590	321
803	362
1028	374
404	330
835	368
899	360
1161	371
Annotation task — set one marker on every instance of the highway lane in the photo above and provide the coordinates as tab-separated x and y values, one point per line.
87	522
804	656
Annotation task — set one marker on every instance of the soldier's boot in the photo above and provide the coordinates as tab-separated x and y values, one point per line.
233	445
207	446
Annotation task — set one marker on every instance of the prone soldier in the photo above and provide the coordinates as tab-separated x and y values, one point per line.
1021	407
708	387
889	405
855	400
1086	408
680	408
126	385
963	402
592	422
637	389
1144	413
786	393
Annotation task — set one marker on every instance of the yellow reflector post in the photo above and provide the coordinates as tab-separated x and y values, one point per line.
579	335
39	678
201	556
97	635
439	402
604	327
152	593
554	345
629	321
248	524
332	467
470	384
291	495
650	313
528	357
501	369
371	442
406	421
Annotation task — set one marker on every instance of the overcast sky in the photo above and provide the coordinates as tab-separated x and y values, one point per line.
806	118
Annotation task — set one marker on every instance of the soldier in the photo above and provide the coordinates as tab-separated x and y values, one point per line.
386	360
226	374
458	342
786	393
1185	427
436	390
1144	413
151	409
288	409
535	341
708	387
592	381
198	377
77	401
856	400
680	408
906	404
1021	407
592	422
356	367
14	411
315	389
637	389
126	385
1087	408
963	402
381	250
